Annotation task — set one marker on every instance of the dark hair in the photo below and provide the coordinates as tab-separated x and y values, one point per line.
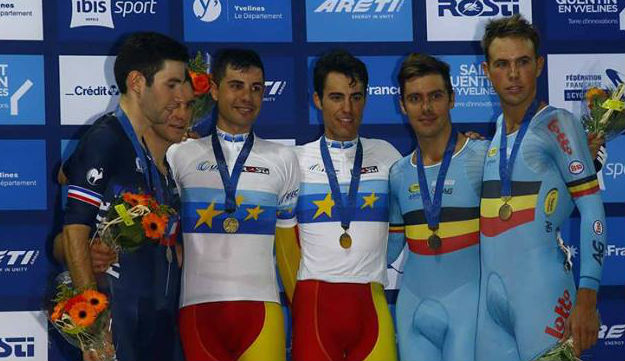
515	26
418	65
339	61
146	52
237	59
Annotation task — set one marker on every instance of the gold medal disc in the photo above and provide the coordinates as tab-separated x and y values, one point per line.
345	240
505	212
434	242
231	225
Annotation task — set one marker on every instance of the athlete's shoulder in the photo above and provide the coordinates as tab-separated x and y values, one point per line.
477	146
548	114
381	148
401	166
275	150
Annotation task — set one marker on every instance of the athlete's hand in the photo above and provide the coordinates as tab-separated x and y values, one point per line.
101	257
594	143
583	323
473	135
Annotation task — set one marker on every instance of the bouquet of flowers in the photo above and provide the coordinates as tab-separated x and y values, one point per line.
82	318
201	81
606	112
133	219
561	352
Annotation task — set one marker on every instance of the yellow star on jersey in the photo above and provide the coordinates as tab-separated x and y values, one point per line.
253	213
324	206
369	200
207	215
239	200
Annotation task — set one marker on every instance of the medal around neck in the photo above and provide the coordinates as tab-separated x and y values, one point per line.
231	225
345	240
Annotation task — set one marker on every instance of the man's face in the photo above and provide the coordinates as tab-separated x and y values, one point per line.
513	68
427	104
341	106
178	122
160	99
239	96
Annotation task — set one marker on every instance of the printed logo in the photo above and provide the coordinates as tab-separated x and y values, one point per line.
614	170
22	176
376	20
221	21
599	248
86	94
370	169
612	335
253	169
22	337
586	20
459	20
562	310
492	152
206	166
94	175
414	188
288	196
576	167
91	13
17	261
207	10
615	251
563	140
597	227
21	20
138	165
21	83
279	97
273	89
318	168
551	201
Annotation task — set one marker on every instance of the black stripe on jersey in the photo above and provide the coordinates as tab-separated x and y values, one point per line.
492	188
448	214
581	181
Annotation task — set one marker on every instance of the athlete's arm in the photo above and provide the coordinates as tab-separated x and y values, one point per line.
287	246
396	235
569	149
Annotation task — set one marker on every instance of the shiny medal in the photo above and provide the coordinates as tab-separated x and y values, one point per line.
345	240
505	211
434	242
231	225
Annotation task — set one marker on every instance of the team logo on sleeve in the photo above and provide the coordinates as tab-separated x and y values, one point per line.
576	167
94	175
597	227
551	201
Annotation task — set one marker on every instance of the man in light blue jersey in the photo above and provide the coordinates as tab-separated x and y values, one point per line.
537	169
434	206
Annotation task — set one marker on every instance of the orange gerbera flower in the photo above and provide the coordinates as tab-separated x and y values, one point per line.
82	314
594	93
154	225
72	301
135	199
57	311
96	299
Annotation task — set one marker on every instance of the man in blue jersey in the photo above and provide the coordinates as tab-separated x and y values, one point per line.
434	206
537	169
113	157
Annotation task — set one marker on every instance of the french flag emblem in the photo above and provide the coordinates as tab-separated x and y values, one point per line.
84	195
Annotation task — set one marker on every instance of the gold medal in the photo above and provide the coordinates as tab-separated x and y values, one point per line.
345	240
231	225
505	212
434	242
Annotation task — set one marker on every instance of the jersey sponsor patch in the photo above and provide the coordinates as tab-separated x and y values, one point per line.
576	167
563	140
253	169
370	169
562	311
597	227
551	201
94	175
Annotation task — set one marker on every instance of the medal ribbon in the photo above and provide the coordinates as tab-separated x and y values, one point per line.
152	179
346	212
230	181
432	208
505	164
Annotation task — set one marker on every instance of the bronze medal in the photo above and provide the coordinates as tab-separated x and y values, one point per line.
231	225
345	240
505	212
434	242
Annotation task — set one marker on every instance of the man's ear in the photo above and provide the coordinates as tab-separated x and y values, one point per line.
135	82
317	100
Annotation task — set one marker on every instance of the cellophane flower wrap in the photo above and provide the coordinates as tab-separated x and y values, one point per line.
605	115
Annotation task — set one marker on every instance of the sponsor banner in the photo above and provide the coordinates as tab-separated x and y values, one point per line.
223	20
23	175
462	20
359	20
21	20
23	336
612	255
611	339
107	20
476	100
21	89
613	172
87	88
382	105
570	75
279	98
575	20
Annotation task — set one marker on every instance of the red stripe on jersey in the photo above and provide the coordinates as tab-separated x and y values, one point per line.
492	227
448	244
83	199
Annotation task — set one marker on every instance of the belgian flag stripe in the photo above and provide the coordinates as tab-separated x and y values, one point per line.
448	244
396	228
448	214
582	181
445	230
492	188
490	206
493	226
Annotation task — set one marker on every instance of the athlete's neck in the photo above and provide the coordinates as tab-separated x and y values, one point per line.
513	114
157	147
433	148
133	111
232	128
